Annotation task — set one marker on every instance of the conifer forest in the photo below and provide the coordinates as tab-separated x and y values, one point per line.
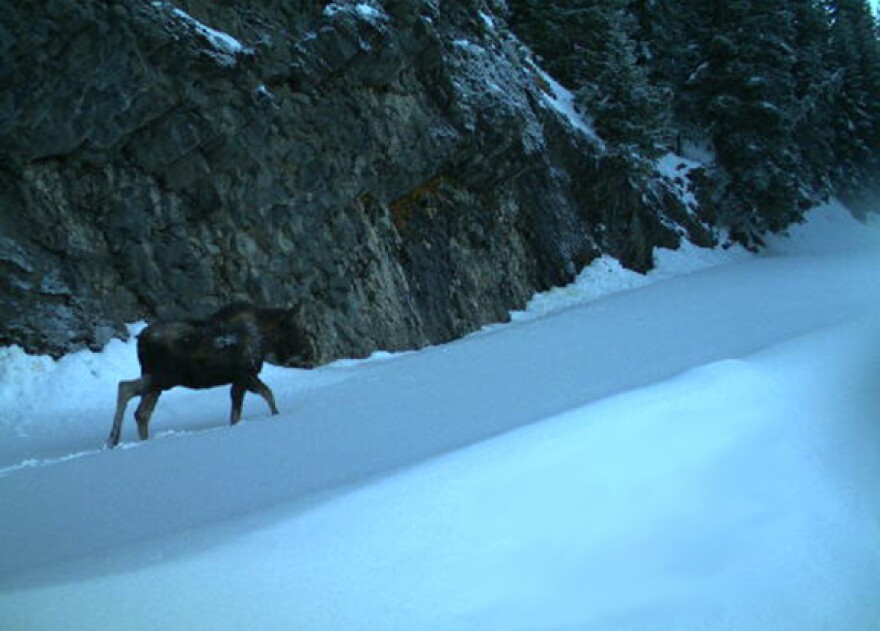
786	93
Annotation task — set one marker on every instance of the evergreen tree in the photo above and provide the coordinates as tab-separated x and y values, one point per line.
786	91
668	42
855	54
629	111
588	46
552	29
740	91
815	85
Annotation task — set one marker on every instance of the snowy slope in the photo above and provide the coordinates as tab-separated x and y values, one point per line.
697	452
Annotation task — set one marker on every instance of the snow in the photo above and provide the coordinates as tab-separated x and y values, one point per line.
701	152
362	10
224	46
561	100
676	170
368	12
488	22
606	276
693	449
219	40
469	46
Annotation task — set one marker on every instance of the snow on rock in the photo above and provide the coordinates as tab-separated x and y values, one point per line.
224	47
488	21
701	151
361	10
676	170
561	100
490	92
468	45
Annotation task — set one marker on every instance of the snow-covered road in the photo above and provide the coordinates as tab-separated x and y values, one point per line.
599	391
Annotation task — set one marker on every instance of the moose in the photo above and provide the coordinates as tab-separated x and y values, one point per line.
228	347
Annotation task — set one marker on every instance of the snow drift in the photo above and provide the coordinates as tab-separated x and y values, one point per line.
697	452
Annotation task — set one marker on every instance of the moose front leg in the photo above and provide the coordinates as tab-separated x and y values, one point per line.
127	391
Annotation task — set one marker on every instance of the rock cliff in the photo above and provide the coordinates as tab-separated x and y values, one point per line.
399	172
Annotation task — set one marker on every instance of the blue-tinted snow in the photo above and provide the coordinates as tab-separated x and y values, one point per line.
694	451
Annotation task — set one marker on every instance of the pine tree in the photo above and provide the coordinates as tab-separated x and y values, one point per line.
628	110
815	85
855	53
588	46
787	92
552	30
667	39
741	93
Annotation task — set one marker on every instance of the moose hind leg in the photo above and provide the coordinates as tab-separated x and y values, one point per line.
126	392
258	387
145	411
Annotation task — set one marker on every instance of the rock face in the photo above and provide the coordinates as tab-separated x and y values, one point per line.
398	172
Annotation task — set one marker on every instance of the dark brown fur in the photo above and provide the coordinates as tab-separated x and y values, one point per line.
227	348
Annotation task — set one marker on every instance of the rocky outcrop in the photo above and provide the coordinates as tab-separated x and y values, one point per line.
397	171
